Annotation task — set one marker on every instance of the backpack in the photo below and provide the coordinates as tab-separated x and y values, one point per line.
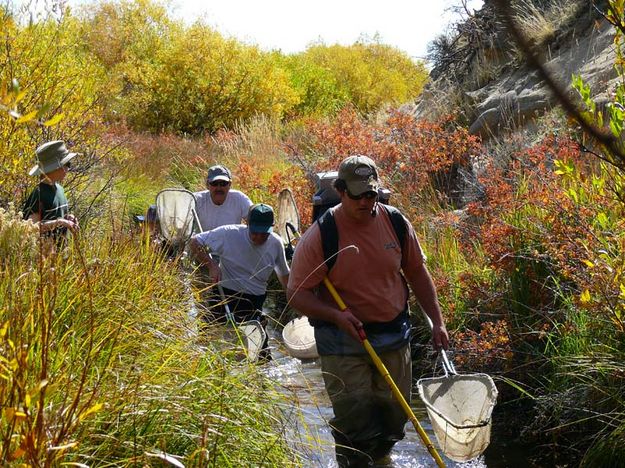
330	235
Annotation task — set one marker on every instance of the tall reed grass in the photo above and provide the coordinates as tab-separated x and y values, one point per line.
100	364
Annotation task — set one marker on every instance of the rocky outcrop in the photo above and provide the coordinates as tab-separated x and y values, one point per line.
513	94
518	97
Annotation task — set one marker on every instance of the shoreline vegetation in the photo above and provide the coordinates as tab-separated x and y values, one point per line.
100	364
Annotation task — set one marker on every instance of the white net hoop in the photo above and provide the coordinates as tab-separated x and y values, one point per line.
176	209
460	407
299	339
288	216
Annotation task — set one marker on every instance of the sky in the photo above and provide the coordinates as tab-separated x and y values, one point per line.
292	25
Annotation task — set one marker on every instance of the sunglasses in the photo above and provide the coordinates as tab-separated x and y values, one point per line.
367	195
67	166
219	183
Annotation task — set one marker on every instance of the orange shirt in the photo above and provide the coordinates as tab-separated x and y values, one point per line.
367	278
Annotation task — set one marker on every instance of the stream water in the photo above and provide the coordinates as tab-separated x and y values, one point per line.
308	431
310	434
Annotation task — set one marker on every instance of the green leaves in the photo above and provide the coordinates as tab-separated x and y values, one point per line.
191	79
615	11
371	74
27	117
54	120
564	167
616	113
584	91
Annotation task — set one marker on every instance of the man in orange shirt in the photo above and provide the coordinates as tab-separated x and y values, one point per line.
368	276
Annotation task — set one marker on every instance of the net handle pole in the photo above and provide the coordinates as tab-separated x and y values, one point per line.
387	376
294	232
448	366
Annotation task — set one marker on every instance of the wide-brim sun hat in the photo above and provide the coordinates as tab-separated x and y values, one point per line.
50	157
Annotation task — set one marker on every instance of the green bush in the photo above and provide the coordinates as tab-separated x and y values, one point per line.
371	75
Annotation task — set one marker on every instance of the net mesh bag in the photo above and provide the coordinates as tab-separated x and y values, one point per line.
460	408
253	338
287	214
299	338
175	209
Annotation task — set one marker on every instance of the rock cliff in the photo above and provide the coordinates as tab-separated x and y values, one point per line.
480	71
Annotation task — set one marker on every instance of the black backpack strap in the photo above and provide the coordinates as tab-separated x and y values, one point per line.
329	238
330	235
398	222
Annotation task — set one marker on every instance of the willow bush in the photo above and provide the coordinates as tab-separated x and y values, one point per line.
372	75
165	76
51	89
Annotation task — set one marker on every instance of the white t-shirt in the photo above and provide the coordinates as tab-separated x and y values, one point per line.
245	267
231	211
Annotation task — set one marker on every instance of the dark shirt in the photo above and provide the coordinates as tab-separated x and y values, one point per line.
49	202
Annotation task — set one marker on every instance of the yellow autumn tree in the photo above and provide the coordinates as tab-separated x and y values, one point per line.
54	92
371	74
200	81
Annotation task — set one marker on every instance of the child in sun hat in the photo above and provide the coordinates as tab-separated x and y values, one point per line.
47	204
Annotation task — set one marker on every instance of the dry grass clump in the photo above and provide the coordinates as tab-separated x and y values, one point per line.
541	24
18	238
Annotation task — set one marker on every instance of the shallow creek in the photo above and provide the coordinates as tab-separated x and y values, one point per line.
310	434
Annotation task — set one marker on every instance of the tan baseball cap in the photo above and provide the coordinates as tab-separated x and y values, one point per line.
360	174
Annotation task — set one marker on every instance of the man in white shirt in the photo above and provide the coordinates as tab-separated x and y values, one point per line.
247	256
217	206
220	204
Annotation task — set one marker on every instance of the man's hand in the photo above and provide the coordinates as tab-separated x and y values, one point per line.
440	338
347	322
69	222
214	272
199	253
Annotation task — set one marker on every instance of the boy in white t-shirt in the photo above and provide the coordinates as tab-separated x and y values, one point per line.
220	204
247	256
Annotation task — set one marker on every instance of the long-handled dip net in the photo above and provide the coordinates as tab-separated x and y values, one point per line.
460	408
